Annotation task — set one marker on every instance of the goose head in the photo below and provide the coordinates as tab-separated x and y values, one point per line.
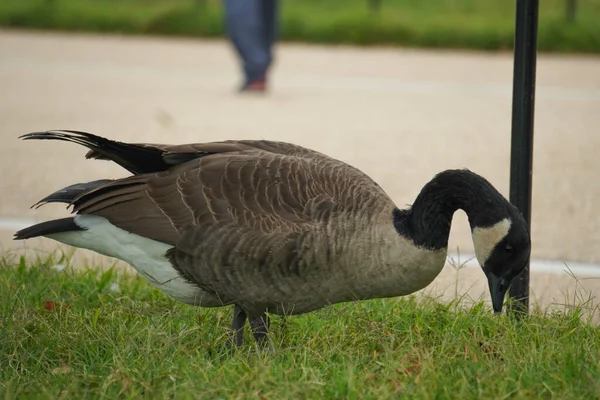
502	248
500	233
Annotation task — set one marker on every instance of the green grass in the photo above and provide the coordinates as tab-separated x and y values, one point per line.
70	335
477	24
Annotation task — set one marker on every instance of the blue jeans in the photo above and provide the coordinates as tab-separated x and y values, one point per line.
252	27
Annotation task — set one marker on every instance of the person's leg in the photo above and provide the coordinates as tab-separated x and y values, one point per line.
245	28
270	16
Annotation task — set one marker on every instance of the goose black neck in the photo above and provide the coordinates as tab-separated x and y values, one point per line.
427	222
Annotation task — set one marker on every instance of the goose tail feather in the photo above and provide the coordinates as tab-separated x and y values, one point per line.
135	158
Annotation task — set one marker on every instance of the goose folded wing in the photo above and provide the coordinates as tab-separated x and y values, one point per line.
257	191
178	154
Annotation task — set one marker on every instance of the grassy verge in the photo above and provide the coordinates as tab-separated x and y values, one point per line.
478	24
93	334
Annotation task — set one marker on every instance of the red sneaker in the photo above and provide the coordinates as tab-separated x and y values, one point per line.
258	86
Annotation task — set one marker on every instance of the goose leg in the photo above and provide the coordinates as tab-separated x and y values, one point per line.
260	327
237	326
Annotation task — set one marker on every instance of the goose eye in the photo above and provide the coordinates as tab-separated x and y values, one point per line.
508	249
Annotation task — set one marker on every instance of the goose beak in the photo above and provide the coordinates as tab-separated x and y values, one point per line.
498	288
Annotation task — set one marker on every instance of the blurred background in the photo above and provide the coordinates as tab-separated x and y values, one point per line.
565	25
402	89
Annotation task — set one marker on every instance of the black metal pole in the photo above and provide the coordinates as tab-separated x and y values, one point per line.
521	157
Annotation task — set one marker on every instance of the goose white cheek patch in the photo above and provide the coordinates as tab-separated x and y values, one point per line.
486	239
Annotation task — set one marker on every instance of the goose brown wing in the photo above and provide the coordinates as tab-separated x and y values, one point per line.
177	154
254	190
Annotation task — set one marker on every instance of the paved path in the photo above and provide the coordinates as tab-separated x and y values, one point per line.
400	115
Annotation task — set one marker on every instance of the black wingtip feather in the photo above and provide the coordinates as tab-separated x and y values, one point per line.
70	193
48	228
59	133
135	158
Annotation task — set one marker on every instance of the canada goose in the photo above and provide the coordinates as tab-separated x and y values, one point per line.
274	227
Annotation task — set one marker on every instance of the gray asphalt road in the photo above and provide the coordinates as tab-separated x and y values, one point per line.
400	115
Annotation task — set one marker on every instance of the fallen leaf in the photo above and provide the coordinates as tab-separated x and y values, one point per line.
52	305
63	369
